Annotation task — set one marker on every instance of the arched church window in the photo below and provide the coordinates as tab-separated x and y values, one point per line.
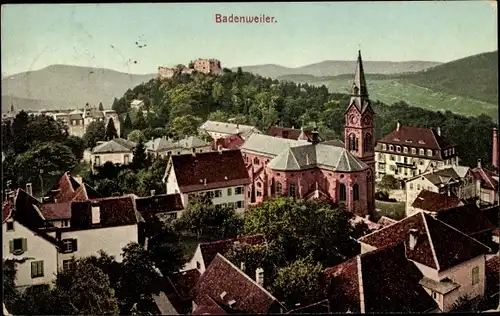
343	192
355	192
256	161
353	142
291	190
279	189
368	143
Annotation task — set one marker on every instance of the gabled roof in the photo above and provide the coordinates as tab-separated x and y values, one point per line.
438	246
433	202
486	177
210	249
442	176
192	142
228	142
227	128
389	283
417	137
245	294
209	170
209	307
184	282
290	133
116	145
468	219
151	205
386	221
68	189
160	144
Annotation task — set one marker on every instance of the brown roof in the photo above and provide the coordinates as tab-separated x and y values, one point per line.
161	203
486	178
433	202
210	249
390	283
287	132
53	211
228	142
386	221
322	307
439	245
468	219
68	189
7	208
184	282
247	296
492	276
209	307
219	169
417	137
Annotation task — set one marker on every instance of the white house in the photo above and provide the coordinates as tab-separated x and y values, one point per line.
220	129
164	147
220	174
117	151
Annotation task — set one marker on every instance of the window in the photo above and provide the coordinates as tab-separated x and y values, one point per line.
343	192
73	122
421	152
218	193
368	143
67	265
69	245
405	160
418	186
475	275
291	190
198	265
380	156
10	226
239	204
429	152
194	150
279	189
64	223
259	193
210	194
434	295
18	246
353	142
355	192
97	160
256	161
126	159
230	205
37	269
391	148
229	192
398	149
169	153
259	185
384	147
238	190
411	186
413	151
405	150
391	157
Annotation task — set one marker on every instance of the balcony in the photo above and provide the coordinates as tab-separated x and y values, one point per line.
406	165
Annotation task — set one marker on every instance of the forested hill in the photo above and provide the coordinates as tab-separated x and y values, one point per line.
185	101
475	77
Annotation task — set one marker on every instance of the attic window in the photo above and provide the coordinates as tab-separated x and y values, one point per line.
409	141
231	302
421	142
223	294
396	139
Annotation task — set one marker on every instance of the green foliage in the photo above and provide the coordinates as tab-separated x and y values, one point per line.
299	282
111	131
469	304
186	125
166	250
96	131
140	122
139	159
77	146
101	107
136	136
389	183
9	289
127	126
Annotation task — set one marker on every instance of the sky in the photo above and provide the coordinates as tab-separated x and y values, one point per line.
35	36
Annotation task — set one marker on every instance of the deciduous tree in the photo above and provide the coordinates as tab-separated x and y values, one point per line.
96	131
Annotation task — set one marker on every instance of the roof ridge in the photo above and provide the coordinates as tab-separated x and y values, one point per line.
293	156
487	178
385	227
433	132
430	241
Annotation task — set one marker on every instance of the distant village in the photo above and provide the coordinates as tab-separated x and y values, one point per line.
445	248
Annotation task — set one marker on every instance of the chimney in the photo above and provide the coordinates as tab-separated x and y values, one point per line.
242	266
439	131
398	126
259	276
495	150
412	238
153	192
96	214
479	163
315	138
205	181
29	188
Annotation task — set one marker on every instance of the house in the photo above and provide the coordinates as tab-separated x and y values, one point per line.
220	129
410	151
74	120
227	142
117	151
381	281
206	251
224	287
456	180
432	202
164	147
162	206
220	174
486	185
452	263
136	104
68	189
309	170
493	277
93	114
291	133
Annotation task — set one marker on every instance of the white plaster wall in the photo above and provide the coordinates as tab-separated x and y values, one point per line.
114	158
37	249
366	248
413	189
225	198
197	257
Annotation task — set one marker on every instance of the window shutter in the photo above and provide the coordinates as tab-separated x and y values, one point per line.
33	269
41	268
25	244
11	246
74	244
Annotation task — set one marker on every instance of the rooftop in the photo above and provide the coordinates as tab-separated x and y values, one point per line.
418	137
433	202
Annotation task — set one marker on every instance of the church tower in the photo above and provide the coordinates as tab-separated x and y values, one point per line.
359	133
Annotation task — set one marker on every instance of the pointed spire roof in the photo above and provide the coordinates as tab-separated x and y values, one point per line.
359	93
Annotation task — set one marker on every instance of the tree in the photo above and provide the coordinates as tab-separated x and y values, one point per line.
96	131
111	130
299	283
466	303
140	122
77	146
101	107
9	287
389	183
136	136
184	126
218	116
108	187
166	249
127	126
140	158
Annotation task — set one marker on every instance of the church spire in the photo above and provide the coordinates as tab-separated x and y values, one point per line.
359	85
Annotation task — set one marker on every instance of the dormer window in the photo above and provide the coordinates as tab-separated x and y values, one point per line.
421	152
421	142
384	147
429	152
405	150
391	148
413	151
409	141
398	149
396	139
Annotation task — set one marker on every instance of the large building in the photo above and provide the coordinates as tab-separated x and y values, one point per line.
164	147
409	151
220	129
312	169
117	151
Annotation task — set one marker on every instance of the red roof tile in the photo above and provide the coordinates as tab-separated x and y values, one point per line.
228	142
468	219
451	247
219	169
386	221
184	282
222	276
7	208
209	307
433	202
492	276
342	284
53	211
161	203
486	178
286	132
210	249
68	189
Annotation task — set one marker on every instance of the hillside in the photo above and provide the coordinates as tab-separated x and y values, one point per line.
474	77
67	86
339	67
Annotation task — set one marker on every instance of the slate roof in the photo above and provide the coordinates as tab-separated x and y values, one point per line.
467	218
160	144
209	250
417	135
334	142
159	203
290	133
390	283
439	245
433	202
486	177
296	155
218	169
227	128
249	297
443	176
116	145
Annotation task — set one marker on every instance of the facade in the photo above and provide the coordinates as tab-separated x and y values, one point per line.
486	185
207	66
220	129
455	180
117	151
452	264
220	174
410	151
164	147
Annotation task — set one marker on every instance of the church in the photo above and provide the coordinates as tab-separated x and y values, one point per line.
339	172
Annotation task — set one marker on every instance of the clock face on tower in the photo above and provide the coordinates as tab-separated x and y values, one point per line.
367	120
353	119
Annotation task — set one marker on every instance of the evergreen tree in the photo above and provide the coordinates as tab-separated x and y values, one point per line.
101	107
127	126
111	130
140	121
140	157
